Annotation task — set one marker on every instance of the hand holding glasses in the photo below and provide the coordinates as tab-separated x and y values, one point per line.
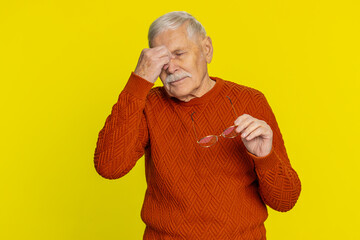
210	140
256	134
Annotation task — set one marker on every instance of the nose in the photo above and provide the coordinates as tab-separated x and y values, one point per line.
172	67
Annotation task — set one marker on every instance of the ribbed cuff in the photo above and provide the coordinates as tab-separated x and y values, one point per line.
137	86
267	162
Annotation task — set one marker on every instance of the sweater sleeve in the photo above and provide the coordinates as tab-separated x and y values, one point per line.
279	184
122	140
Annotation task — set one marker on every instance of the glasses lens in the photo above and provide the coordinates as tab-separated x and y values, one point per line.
208	141
230	132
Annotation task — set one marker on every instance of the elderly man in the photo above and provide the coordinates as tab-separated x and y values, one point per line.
214	154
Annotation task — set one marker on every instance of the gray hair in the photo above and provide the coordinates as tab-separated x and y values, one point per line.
173	20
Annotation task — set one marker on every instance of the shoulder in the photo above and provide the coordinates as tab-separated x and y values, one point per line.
156	98
247	99
241	91
156	94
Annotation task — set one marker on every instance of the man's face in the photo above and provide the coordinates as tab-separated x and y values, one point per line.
186	74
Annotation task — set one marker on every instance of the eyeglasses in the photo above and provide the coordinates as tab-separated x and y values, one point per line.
210	140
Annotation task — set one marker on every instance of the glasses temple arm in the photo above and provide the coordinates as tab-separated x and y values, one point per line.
232	106
197	139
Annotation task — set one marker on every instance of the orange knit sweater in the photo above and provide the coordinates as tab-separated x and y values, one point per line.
194	192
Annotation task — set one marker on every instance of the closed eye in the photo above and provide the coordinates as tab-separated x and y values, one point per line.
179	54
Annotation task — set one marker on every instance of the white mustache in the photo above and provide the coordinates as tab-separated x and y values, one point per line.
176	76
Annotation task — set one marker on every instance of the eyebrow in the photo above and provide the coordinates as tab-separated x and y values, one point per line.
178	50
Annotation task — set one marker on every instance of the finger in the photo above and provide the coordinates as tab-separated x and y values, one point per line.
256	133
165	53
153	54
164	60
162	51
252	126
244	123
163	63
241	118
265	133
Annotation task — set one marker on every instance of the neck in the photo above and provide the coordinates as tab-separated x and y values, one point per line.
207	85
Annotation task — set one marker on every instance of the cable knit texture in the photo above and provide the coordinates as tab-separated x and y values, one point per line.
194	192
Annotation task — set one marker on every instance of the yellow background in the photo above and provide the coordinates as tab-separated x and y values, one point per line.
64	63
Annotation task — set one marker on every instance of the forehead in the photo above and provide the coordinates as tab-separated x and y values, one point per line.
174	39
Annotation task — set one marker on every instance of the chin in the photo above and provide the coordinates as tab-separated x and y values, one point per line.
178	94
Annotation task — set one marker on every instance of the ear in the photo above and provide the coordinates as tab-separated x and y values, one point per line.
207	48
